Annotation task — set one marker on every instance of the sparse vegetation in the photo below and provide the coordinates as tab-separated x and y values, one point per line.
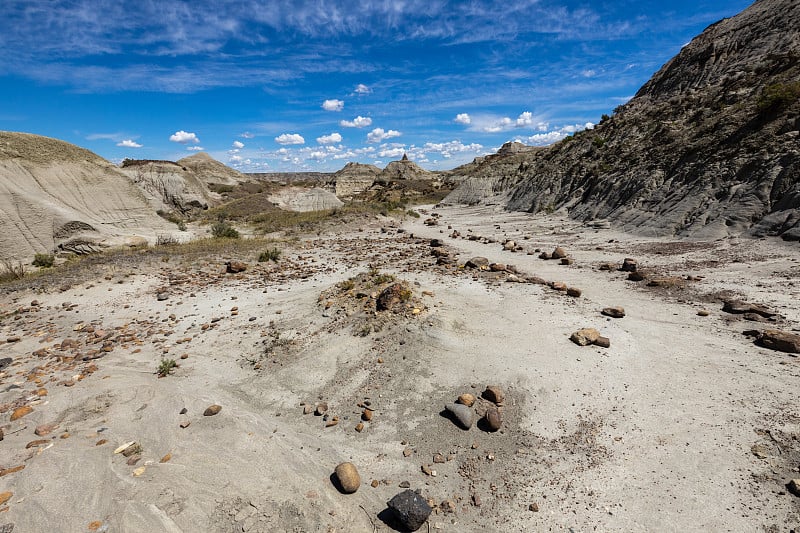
273	254
598	142
181	225
165	239
165	367
43	260
412	213
223	230
11	271
779	96
169	216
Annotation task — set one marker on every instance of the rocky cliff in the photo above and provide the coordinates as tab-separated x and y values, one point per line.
169	186
211	171
708	147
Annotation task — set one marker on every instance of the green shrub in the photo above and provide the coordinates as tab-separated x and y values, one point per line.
598	142
11	272
181	225
44	260
272	254
413	213
223	230
166	367
779	96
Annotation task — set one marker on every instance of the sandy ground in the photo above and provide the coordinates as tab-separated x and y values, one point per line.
683	424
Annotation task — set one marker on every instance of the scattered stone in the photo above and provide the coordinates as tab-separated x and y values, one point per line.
614	312
510	246
212	410
38	442
407	452
7	471
44	429
13	339
374	483
436	243
5	496
545	256
493	419
404	484
322	408
466	399
463	414
558	286
781	341
558	253
360	427
739	307
760	451
635	276
494	394
666	282
477	262
185	424
585	336
332	422
793	486
629	265
410	509
574	292
567	261
366	415
234	267
19	412
703	312
602	342
447	506
534	507
166	458
347	475
393	297
497	267
161	296
438	458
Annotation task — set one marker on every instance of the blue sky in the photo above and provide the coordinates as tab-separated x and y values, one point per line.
273	86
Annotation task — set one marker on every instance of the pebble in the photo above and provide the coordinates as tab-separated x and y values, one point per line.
212	410
493	419
322	407
5	496
466	399
44	429
360	427
494	394
347	475
585	336
613	312
410	509
574	292
463	414
558	253
19	412
794	487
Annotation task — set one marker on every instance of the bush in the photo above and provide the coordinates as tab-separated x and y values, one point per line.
412	213
223	230
598	142
166	367
164	239
43	260
181	225
779	96
273	254
11	272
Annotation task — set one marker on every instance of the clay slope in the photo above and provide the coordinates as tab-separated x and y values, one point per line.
211	171
707	148
56	195
169	186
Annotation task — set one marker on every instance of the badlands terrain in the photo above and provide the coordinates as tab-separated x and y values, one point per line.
682	423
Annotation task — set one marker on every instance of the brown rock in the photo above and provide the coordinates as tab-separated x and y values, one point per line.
703	312
38	442
793	486
374	483
635	276
494	394
393	297
585	336
234	267
545	256
185	424
166	458
360	427
629	265
347	475
534	507
5	496
366	415
19	412
567	261
477	262
603	342
133	459
781	341
493	419
100	442
613	312
7	471
44	429
212	410
558	286
497	267
322	408
558	253
574	292
467	399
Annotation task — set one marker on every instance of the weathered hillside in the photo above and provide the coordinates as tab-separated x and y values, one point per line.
54	195
708	147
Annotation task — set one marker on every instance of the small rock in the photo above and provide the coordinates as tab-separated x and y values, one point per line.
567	261
497	267
212	410
558	253
558	286
161	296
585	336
410	509
781	341
360	427
574	292
477	262
322	408
794	487
347	475
166	458
603	342
614	312
635	276
407	452
534	507
5	496
510	246
366	415
19	412
234	267
447	506
466	399
629	265
185	424
436	243
374	483
703	312
494	394
493	419
404	484
463	414
44	429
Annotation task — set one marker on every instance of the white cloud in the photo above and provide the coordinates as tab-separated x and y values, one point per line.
490	124
290	138
542	139
463	118
238	145
195	148
333	105
362	89
358	122
330	139
392	152
378	135
129	143
184	137
235	159
247	135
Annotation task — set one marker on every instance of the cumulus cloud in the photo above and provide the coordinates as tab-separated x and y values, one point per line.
195	148
184	137
238	145
129	143
358	122
392	152
247	135
542	139
526	119
333	105
463	118
330	139
290	138
378	135
362	89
